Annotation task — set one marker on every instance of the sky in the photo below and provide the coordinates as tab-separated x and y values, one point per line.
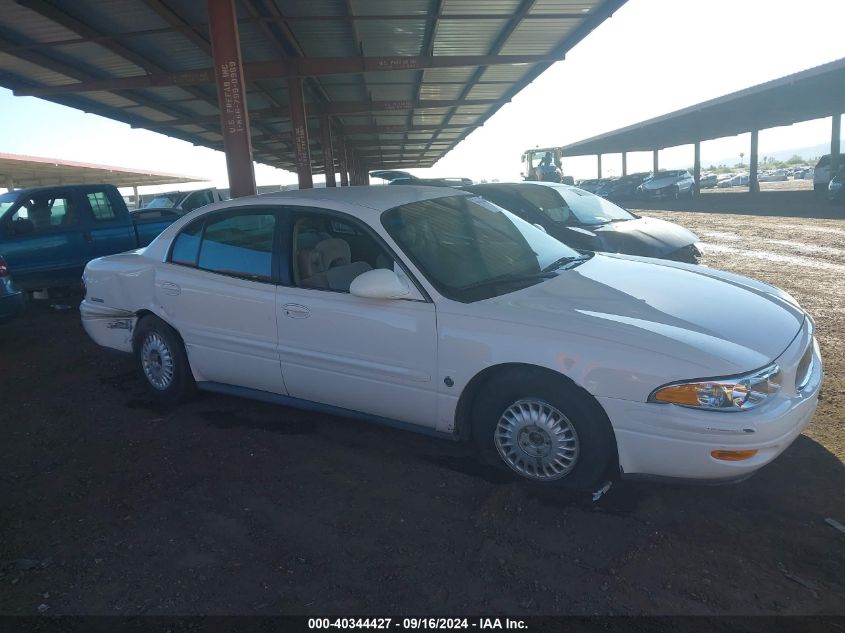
650	58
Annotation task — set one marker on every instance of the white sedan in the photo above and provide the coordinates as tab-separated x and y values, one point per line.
434	310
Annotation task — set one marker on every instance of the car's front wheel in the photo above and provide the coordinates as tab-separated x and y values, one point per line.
162	361
543	429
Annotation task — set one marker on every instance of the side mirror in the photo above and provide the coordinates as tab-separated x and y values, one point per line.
23	226
380	283
541	227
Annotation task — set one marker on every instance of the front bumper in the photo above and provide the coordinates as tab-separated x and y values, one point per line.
668	441
657	194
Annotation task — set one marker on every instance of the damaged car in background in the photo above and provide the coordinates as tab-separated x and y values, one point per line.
435	310
588	222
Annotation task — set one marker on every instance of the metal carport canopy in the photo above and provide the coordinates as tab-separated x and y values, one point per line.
415	76
33	171
809	94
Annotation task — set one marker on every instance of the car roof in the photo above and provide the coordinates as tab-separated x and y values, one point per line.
34	190
374	197
524	183
366	202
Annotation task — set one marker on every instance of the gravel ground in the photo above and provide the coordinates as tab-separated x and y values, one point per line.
113	505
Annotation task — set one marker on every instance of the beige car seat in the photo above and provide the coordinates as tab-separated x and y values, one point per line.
328	265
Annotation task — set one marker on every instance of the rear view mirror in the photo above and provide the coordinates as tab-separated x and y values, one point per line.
380	283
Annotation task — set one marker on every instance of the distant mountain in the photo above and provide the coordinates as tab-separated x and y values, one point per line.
804	152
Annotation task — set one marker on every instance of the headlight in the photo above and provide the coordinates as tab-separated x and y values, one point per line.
738	393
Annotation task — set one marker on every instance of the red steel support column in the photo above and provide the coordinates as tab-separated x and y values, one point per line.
328	152
299	130
231	96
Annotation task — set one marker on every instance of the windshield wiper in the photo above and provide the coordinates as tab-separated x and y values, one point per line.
559	263
508	278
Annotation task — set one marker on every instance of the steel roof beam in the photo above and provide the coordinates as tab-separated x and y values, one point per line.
313	67
338	107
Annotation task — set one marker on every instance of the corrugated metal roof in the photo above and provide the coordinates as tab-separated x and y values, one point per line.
810	94
54	43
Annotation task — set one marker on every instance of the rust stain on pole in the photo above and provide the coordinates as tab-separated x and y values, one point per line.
231	96
299	129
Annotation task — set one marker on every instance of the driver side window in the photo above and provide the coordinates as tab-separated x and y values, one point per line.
329	252
44	213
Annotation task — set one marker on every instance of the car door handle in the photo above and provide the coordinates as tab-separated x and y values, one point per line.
296	311
169	288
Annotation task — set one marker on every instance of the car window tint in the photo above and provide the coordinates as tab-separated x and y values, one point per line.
592	209
101	206
239	245
186	246
44	213
330	252
547	201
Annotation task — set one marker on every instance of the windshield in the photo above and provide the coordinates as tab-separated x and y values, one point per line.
666	174
470	249
591	209
562	204
165	201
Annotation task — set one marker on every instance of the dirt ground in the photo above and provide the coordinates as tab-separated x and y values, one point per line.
113	505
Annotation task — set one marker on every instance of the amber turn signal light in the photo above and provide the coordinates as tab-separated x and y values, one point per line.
734	456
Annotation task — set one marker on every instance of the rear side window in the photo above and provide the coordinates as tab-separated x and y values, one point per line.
239	245
101	206
187	245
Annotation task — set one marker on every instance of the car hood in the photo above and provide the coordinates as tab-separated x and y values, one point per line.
648	237
717	323
659	183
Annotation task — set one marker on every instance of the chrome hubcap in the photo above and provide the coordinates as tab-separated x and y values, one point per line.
157	361
536	440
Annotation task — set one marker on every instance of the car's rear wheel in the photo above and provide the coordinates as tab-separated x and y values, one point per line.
543	429
676	193
162	361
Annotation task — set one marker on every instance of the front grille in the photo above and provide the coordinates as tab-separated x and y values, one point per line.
805	369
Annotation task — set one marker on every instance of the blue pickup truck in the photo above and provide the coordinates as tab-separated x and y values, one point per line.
48	234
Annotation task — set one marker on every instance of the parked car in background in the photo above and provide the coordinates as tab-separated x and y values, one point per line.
591	185
48	234
12	296
778	175
182	202
586	221
836	187
622	188
739	180
822	175
676	183
398	177
708	181
432	309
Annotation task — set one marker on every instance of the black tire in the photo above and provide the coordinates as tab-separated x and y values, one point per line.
180	384
595	440
676	193
692	192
